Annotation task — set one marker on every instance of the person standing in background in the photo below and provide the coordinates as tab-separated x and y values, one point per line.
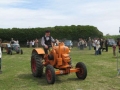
89	43
118	43
28	43
0	56
33	43
94	44
81	43
100	40
85	43
106	45
97	47
114	50
103	47
36	43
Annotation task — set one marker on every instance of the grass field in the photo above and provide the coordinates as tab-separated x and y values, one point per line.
102	73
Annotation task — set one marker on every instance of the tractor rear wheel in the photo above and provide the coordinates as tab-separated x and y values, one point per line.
36	65
50	74
10	52
21	51
82	70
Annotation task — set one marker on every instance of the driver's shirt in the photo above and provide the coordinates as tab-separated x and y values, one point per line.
47	38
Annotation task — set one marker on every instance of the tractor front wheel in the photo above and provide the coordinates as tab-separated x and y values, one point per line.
82	70
50	74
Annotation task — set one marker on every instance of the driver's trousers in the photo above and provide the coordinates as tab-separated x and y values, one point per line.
47	49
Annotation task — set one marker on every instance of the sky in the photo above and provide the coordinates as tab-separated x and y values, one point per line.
103	14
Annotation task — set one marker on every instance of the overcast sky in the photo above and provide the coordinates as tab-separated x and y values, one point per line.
103	14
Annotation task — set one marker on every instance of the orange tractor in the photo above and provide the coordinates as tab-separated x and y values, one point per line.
56	62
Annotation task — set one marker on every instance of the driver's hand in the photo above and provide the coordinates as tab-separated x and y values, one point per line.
46	46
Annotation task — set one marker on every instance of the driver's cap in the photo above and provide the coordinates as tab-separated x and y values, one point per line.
47	31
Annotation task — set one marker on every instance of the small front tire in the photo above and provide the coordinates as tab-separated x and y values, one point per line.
50	74
82	74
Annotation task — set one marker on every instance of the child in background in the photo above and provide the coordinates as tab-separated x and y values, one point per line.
114	50
0	54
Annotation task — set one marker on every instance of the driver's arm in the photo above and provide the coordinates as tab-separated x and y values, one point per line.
52	39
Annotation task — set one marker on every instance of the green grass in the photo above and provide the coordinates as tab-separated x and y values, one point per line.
102	73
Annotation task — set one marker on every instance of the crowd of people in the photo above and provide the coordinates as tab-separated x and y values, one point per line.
100	45
82	44
97	43
32	43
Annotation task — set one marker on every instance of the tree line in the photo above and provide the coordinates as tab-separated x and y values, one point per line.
69	32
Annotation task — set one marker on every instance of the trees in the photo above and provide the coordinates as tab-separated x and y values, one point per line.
69	32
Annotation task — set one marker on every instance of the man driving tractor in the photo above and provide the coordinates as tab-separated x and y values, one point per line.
47	41
57	61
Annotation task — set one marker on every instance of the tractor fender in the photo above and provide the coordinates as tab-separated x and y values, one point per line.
39	51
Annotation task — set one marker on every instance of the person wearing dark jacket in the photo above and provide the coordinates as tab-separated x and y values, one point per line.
47	41
106	45
0	55
101	44
118	43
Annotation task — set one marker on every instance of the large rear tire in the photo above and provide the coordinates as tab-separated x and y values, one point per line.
21	51
50	74
36	65
82	74
10	52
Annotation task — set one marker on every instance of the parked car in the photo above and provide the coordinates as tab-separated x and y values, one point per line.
68	43
111	42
